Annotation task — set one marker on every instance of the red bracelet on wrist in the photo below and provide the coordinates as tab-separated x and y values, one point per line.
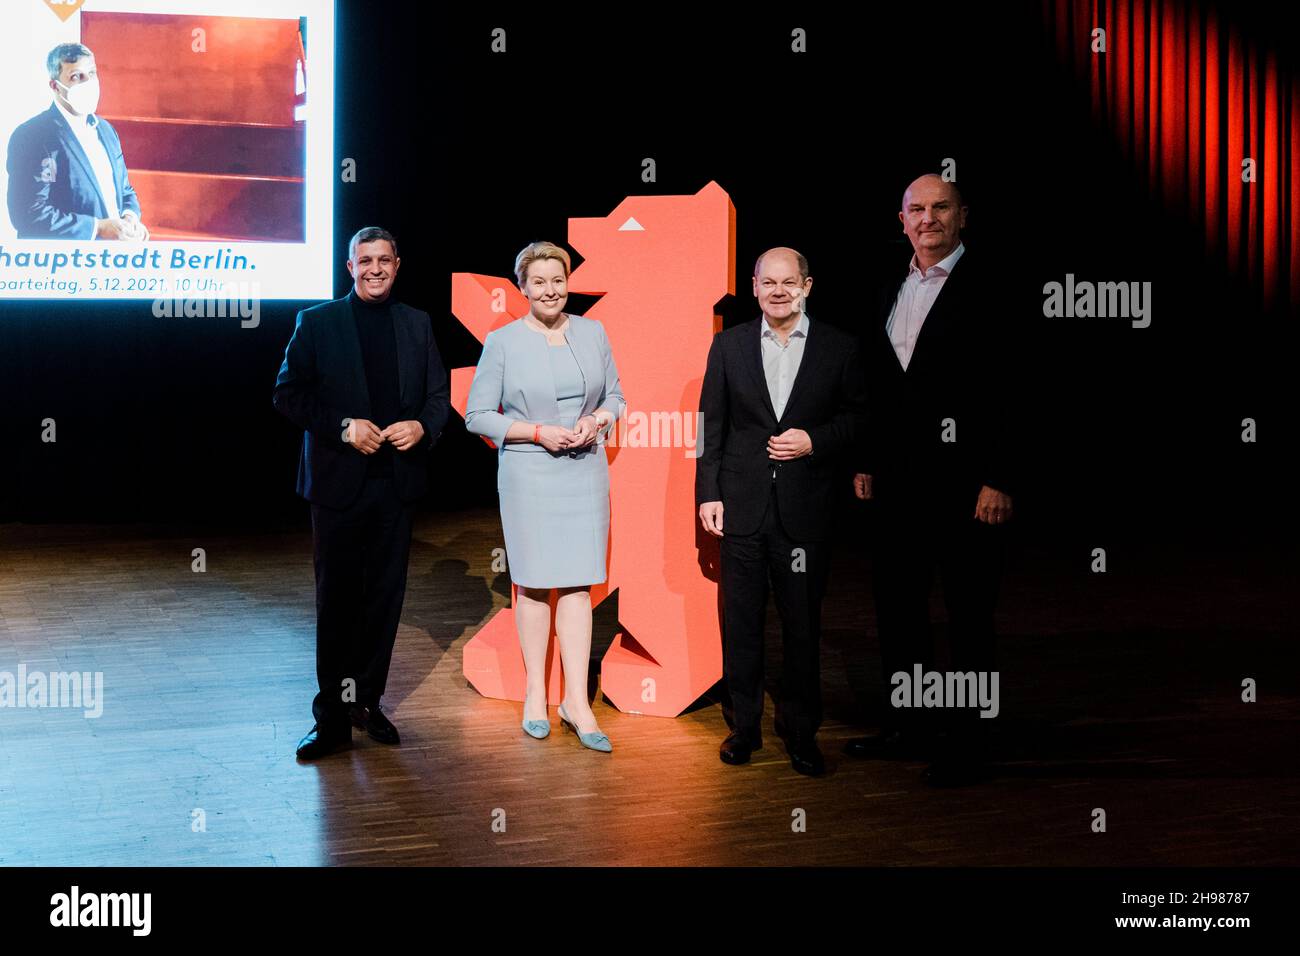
537	434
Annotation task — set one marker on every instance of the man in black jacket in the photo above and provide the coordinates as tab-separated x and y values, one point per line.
362	377
937	465
779	408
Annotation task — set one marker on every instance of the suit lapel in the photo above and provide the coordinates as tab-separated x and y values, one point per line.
406	346
591	363
809	365
936	326
117	174
752	348
346	324
74	150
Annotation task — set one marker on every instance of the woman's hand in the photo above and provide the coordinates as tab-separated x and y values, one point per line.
586	431
555	438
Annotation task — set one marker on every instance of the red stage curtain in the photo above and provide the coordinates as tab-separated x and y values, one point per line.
1188	93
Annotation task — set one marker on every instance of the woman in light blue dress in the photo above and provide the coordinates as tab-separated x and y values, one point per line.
545	390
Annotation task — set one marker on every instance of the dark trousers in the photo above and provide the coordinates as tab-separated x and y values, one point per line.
912	544
361	554
798	582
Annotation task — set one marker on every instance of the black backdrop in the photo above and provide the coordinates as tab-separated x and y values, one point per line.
466	155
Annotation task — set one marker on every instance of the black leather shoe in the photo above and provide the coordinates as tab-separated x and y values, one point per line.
805	755
737	748
318	743
372	721
954	773
891	745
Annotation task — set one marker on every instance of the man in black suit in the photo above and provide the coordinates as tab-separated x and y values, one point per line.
938	466
780	405
362	377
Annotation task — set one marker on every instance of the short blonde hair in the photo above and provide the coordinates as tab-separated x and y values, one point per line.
539	250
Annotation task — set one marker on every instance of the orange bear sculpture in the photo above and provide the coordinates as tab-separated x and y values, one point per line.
660	265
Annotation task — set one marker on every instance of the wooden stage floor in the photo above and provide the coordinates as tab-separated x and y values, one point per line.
1119	691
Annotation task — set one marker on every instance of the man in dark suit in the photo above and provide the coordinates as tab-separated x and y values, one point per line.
67	174
362	377
938	466
779	408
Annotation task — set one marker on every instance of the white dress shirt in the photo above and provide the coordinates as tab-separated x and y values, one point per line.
781	362
85	128
915	297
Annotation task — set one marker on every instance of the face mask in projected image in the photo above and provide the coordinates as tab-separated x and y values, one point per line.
83	98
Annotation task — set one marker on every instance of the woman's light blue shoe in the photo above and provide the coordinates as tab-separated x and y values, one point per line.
592	741
541	729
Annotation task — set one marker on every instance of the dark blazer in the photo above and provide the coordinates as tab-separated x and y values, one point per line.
322	381
53	193
737	418
963	367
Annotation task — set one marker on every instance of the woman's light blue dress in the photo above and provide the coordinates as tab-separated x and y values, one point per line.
554	507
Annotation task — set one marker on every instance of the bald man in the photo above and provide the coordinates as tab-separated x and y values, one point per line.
938	470
781	404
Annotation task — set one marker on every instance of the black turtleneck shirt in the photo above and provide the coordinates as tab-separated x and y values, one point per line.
379	356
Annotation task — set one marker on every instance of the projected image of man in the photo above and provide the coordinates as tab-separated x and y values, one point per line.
67	174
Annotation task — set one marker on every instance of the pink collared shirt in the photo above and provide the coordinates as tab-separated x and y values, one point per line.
915	297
